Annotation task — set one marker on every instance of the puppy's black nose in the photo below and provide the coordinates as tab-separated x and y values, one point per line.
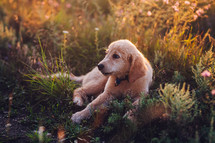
100	66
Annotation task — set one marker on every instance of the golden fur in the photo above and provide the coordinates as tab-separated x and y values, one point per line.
101	83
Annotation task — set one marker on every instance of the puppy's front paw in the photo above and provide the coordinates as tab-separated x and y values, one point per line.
78	101
77	117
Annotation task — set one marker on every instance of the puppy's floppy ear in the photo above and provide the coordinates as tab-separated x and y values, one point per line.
137	68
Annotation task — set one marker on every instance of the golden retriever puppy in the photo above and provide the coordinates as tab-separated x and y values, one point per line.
124	71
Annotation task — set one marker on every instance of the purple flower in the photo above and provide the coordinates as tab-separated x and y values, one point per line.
6	58
39	64
9	46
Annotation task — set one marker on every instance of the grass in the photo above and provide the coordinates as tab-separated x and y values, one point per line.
73	36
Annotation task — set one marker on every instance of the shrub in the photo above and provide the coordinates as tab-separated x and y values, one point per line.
180	102
205	83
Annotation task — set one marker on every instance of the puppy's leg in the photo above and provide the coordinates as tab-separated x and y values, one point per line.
91	88
102	99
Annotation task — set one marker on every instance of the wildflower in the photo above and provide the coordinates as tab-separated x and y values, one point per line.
48	134
187	2
8	125
140	11
47	16
119	12
213	92
41	129
199	12
206	73
9	46
40	133
149	13
207	7
195	16
65	32
166	1
39	64
55	4
175	8
43	3
177	4
194	4
68	5
97	29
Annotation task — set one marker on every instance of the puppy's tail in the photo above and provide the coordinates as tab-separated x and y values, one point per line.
71	76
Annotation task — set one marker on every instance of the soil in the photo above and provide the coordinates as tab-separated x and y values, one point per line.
12	129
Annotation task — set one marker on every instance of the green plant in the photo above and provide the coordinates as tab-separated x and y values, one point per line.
179	101
206	62
115	119
39	136
73	131
205	83
51	87
177	77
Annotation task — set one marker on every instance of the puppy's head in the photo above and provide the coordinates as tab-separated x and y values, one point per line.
123	59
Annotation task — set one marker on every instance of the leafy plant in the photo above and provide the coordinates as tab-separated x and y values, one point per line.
177	77
206	62
205	83
180	102
40	136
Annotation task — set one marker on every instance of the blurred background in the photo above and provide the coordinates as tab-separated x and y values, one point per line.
93	24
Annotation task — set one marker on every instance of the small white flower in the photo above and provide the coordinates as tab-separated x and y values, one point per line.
8	125
194	4
177	4
187	2
207	6
97	29
48	134
199	12
140	11
195	17
166	1
40	133
47	16
41	129
65	32
149	13
175	8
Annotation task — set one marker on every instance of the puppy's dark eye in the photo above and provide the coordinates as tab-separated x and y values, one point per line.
115	56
